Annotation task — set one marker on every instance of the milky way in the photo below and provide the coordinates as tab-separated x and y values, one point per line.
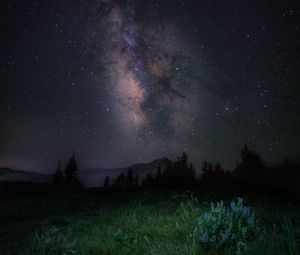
146	82
147	68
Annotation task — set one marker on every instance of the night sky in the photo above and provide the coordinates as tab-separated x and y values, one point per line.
130	81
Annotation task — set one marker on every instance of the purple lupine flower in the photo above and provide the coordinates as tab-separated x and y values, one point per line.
206	216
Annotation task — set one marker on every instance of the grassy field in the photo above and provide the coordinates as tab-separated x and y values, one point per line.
144	222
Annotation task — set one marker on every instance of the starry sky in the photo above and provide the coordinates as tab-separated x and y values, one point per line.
128	81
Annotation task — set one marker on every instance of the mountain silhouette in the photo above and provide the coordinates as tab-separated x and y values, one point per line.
8	174
93	177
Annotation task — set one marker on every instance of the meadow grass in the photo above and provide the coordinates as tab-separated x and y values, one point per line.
155	223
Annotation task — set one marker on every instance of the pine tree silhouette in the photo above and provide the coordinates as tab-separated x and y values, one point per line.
129	178
251	162
71	177
158	174
181	173
106	182
58	177
120	181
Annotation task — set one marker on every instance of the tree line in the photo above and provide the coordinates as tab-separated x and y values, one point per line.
67	178
250	173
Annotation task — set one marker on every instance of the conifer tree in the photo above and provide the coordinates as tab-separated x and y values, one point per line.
71	176
129	178
106	182
58	177
120	181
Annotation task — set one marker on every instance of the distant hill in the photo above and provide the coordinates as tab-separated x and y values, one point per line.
95	177
90	177
7	174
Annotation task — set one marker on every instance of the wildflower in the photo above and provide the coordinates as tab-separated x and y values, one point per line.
204	237
233	207
240	200
224	237
246	211
250	221
227	225
206	216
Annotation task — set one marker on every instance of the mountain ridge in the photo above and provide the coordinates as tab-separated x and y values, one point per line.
91	177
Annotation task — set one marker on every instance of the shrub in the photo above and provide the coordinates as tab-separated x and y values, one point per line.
229	226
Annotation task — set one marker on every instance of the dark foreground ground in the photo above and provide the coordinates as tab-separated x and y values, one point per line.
135	222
